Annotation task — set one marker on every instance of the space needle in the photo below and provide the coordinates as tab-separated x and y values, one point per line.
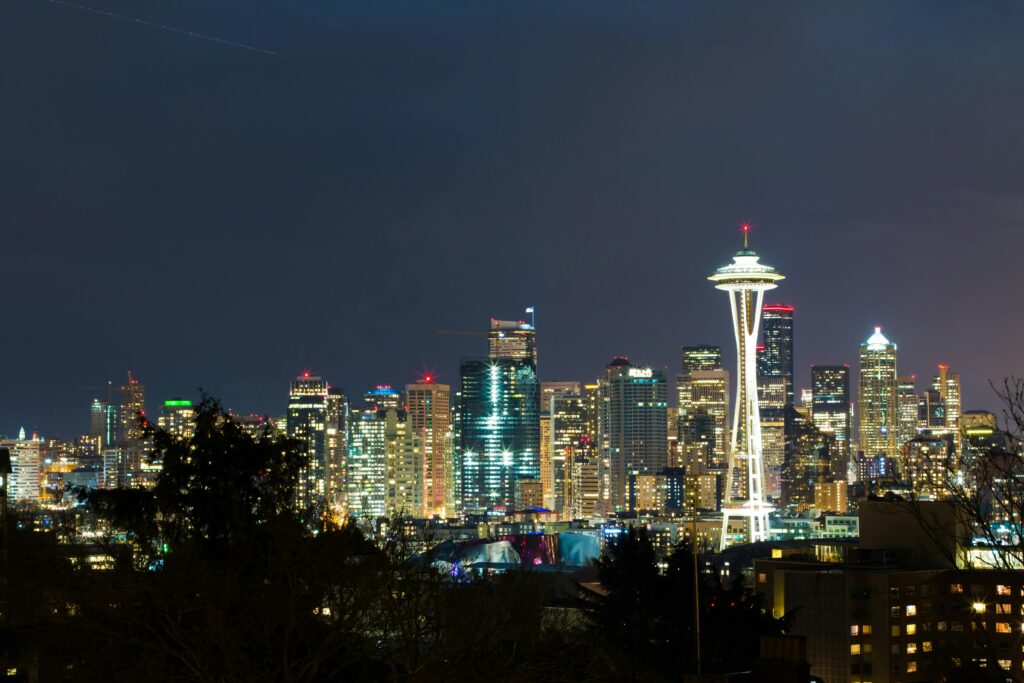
746	280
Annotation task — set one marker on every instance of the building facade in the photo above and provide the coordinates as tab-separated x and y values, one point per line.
499	424
876	397
633	429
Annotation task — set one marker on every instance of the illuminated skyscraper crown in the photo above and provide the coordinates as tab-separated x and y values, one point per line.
878	342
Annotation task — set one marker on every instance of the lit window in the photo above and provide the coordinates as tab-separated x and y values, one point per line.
911	667
1002	589
941	626
911	629
956	588
911	610
855	649
1002	627
926	646
855	630
894	630
1005	664
762	577
911	648
894	611
866	648
866	629
1002	608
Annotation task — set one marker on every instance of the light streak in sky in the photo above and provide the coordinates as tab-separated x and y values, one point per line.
165	27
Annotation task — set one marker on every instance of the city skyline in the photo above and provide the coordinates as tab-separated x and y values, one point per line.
279	407
370	181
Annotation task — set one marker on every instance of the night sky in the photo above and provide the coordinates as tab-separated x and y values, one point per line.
209	215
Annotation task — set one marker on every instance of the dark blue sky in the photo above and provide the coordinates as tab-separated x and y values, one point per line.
209	215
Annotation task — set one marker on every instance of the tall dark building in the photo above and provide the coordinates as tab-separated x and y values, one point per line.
104	423
499	425
633	426
131	412
775	359
808	461
830	403
701	358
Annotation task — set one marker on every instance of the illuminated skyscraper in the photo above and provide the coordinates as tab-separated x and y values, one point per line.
776	360
499	431
132	412
178	417
512	340
336	430
947	383
808	461
367	466
906	409
548	392
830	403
772	402
307	422
568	428
701	357
746	280
23	480
878	432
705	393
926	465
633	426
105	424
429	406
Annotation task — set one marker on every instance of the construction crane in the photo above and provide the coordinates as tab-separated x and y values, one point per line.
464	333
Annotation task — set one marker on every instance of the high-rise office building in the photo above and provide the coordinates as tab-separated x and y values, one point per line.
876	396
23	480
925	463
830	403
772	401
746	280
429	406
947	383
808	461
906	408
776	358
705	393
511	339
568	427
307	422
178	417
701	357
132	412
405	465
105	424
367	465
548	392
499	423
633	426
336	432
382	397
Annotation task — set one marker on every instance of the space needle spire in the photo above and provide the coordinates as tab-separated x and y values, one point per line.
746	280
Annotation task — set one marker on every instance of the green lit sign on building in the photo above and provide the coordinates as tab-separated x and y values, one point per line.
177	403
